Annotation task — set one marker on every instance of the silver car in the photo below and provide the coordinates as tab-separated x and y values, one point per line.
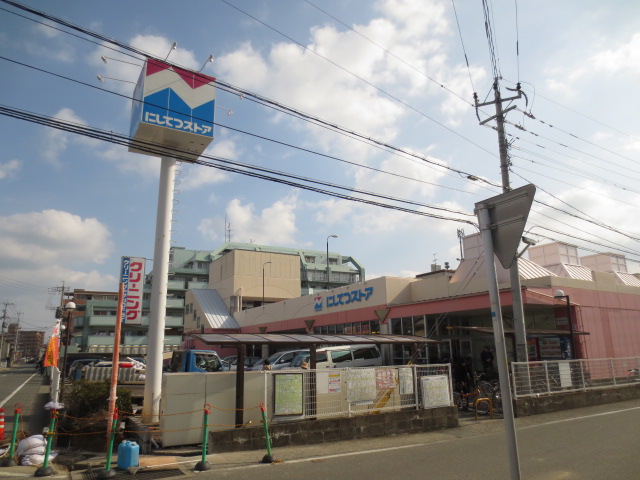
278	360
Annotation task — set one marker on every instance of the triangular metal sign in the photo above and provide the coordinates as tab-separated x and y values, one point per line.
382	314
508	213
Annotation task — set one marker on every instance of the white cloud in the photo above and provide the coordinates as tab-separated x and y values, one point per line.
273	225
55	46
10	168
606	204
623	57
57	141
127	68
198	176
146	166
234	67
161	47
52	237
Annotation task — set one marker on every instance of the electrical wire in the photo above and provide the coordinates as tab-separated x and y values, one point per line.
131	49
464	50
517	41
368	140
490	34
302	178
256	172
385	93
390	53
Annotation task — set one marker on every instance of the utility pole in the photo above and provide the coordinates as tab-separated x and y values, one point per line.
4	324
516	289
15	349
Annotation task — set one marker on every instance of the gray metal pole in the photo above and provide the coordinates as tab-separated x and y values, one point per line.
501	351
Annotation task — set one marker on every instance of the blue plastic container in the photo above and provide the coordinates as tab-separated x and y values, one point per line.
128	454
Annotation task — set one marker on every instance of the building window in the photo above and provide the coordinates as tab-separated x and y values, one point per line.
310	259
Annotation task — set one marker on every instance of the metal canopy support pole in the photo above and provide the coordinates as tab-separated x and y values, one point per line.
158	305
498	333
242	352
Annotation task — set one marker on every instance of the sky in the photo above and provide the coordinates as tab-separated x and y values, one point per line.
400	74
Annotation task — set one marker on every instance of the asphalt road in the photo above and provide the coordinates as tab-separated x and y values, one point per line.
22	386
595	443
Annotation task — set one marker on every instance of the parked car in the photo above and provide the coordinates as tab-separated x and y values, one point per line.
346	356
230	359
258	365
279	360
248	363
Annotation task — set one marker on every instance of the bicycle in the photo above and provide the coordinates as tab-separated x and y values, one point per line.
464	400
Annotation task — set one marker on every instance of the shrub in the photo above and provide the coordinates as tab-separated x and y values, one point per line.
85	398
86	412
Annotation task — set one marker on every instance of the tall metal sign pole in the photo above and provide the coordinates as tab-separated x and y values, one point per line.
502	220
514	273
173	110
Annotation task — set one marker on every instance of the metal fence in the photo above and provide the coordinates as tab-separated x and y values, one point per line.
326	393
549	377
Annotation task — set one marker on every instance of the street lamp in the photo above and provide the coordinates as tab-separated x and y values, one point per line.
263	265
330	236
69	308
559	295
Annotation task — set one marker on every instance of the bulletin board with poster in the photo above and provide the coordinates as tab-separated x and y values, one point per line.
435	391
550	348
288	398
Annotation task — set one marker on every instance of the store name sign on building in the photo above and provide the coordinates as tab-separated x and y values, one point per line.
132	277
345	298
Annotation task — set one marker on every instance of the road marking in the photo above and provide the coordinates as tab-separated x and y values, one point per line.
580	418
423	444
16	391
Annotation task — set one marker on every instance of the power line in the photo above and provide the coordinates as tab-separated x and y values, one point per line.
464	50
300	178
493	54
185	156
389	52
402	102
230	86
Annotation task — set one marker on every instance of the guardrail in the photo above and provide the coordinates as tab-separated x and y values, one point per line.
560	376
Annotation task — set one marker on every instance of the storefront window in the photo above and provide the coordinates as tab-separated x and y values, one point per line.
418	326
407	326
396	326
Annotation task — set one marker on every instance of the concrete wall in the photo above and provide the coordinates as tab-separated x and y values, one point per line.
240	273
332	430
567	401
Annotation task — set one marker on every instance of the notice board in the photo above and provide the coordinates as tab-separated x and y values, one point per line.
361	385
288	394
435	391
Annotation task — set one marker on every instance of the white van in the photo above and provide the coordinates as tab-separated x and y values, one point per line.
345	356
